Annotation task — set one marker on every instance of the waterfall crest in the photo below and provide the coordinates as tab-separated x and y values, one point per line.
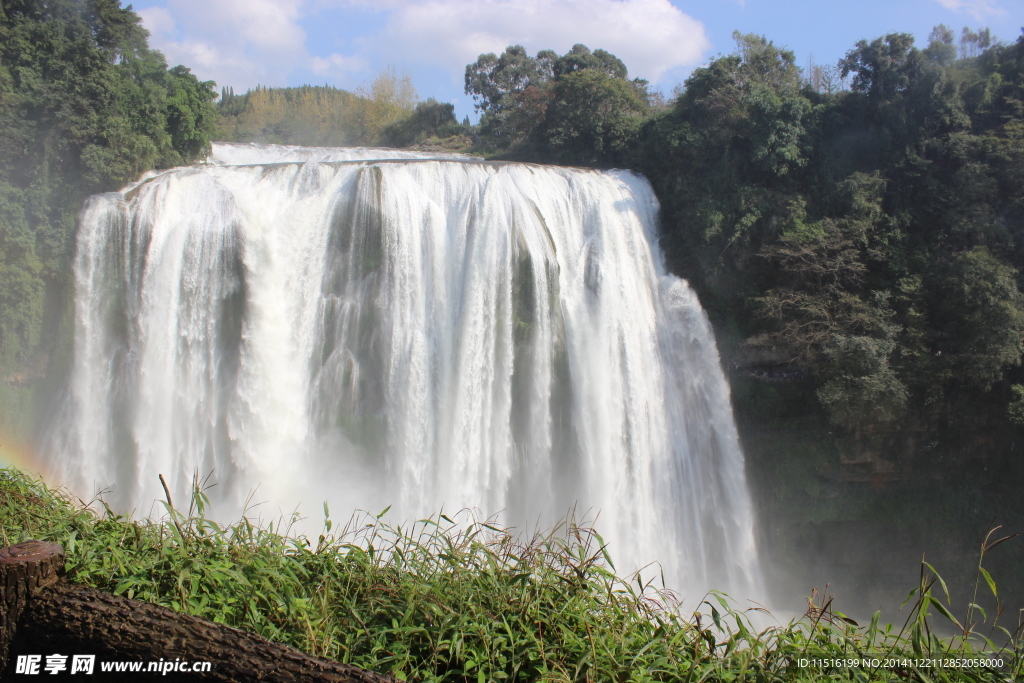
374	328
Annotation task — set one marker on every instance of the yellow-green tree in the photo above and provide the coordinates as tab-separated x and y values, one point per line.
391	97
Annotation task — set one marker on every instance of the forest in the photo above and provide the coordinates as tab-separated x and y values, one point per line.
855	232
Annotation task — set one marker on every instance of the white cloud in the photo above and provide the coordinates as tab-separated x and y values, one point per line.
244	42
337	63
979	9
157	20
234	42
650	36
268	25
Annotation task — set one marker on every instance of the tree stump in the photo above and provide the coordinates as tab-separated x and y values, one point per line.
65	618
25	568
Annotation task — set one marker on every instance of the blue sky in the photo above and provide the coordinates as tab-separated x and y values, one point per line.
345	43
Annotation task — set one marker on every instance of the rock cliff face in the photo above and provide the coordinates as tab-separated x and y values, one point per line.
858	511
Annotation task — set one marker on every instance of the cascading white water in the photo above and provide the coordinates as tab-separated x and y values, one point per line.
375	328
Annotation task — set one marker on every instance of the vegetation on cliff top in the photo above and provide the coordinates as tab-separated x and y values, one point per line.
386	114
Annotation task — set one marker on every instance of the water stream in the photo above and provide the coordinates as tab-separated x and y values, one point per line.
374	328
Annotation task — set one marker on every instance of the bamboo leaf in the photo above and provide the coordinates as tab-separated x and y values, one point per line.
944	611
988	579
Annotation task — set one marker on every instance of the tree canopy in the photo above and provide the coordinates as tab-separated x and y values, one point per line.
871	237
578	108
85	106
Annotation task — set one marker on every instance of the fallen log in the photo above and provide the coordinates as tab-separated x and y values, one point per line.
69	619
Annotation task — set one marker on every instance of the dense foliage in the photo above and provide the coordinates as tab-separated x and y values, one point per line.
460	602
577	109
874	233
430	119
85	107
870	238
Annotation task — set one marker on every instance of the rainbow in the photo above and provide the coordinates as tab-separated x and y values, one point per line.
15	453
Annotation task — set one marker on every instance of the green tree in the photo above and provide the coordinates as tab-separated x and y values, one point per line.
85	107
884	67
494	81
307	115
580	58
982	317
578	108
592	120
190	118
727	161
431	118
940	48
510	91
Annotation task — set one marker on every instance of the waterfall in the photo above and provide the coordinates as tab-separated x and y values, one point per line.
372	328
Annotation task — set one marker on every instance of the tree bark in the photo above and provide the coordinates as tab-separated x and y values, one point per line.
25	568
71	619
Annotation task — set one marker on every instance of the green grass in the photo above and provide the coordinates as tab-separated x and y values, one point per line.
440	601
